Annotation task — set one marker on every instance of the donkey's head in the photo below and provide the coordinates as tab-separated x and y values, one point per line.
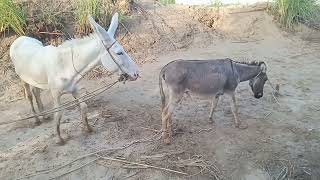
115	57
257	83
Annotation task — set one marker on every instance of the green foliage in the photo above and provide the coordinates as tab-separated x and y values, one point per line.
84	8
217	3
12	16
100	10
167	1
290	12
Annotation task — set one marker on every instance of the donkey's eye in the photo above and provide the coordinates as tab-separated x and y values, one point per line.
120	53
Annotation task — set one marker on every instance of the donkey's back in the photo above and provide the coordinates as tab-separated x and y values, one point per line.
204	77
24	47
31	60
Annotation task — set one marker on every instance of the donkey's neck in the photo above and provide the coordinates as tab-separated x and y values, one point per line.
246	71
85	55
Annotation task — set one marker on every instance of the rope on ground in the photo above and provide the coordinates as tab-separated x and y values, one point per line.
66	104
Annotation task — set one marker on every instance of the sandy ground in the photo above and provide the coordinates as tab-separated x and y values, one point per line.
281	140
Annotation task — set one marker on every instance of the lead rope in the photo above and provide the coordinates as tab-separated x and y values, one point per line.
124	75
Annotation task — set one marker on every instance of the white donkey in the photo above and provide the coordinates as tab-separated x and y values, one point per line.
59	69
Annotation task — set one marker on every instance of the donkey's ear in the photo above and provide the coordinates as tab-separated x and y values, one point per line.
113	25
263	67
100	31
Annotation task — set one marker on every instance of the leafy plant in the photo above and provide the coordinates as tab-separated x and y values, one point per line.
101	10
12	16
83	9
217	3
167	1
290	12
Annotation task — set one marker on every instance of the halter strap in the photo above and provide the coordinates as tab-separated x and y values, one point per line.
108	50
78	72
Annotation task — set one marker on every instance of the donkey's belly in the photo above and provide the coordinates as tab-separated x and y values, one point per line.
206	93
36	78
206	86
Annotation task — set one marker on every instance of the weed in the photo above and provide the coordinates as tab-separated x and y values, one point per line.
12	16
167	1
290	12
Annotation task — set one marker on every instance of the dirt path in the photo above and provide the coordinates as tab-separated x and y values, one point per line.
278	138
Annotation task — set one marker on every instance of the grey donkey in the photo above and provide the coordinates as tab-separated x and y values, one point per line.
210	78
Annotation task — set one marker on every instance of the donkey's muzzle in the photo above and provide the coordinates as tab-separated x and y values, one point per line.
258	95
133	77
123	77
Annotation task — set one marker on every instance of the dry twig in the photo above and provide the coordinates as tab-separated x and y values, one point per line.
90	154
140	164
75	169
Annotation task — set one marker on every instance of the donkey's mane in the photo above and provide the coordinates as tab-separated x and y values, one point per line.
78	41
254	63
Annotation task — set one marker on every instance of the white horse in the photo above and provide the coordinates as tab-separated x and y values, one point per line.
59	69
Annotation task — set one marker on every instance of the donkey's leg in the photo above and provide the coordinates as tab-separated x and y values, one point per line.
83	110
213	107
235	111
36	93
57	115
174	98
28	95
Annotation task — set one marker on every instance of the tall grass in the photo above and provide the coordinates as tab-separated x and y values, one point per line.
83	9
217	3
167	1
290	12
101	10
11	16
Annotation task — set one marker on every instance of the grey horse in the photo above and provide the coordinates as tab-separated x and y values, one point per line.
210	78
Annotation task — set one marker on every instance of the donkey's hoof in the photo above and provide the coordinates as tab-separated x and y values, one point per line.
60	142
243	126
167	141
37	123
46	118
88	129
211	120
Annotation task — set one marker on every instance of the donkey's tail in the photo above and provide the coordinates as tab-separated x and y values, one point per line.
162	95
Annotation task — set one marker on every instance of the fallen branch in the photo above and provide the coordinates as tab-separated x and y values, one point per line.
75	169
87	155
150	129
51	33
81	157
274	97
209	129
247	41
253	10
140	164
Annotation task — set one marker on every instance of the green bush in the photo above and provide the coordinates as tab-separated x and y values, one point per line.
167	1
83	9
290	12
101	10
12	16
